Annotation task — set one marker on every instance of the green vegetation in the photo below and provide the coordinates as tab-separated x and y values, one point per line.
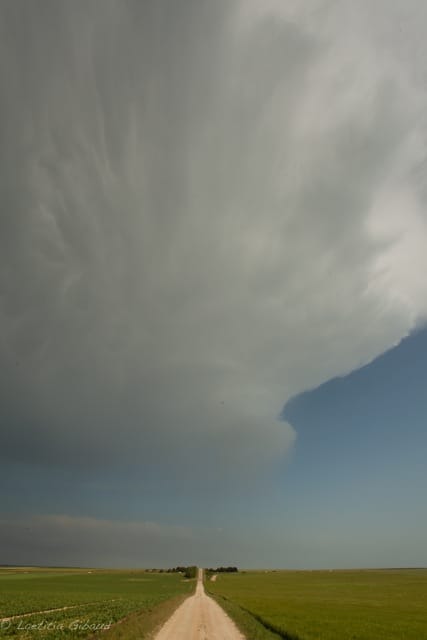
188	572
222	570
326	605
86	602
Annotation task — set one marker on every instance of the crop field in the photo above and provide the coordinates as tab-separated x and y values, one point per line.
77	603
324	605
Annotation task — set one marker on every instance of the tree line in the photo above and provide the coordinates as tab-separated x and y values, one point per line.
189	572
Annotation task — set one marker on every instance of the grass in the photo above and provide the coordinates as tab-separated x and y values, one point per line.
323	605
143	624
131	602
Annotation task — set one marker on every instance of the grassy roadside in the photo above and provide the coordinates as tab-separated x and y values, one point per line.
43	604
248	624
374	604
142	625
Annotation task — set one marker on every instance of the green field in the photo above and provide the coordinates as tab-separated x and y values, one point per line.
324	605
94	599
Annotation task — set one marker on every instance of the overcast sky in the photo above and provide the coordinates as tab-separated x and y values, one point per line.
207	208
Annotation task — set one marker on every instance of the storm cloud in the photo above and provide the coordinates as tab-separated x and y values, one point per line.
206	208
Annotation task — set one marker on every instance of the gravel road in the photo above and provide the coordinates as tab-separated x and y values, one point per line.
199	618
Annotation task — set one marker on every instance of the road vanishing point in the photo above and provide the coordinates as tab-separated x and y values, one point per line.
199	618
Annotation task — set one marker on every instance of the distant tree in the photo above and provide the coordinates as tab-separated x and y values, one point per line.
188	572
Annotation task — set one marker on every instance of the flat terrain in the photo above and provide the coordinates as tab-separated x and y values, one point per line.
323	605
76	603
199	618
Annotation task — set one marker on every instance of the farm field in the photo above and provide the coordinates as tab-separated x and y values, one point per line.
77	603
323	605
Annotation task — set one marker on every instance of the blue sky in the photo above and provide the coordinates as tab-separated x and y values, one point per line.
359	464
208	210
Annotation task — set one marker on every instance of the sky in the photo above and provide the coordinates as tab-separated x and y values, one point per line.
212	282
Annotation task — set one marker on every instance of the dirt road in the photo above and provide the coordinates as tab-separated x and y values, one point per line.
199	618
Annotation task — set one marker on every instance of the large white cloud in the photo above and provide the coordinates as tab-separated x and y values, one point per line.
204	212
